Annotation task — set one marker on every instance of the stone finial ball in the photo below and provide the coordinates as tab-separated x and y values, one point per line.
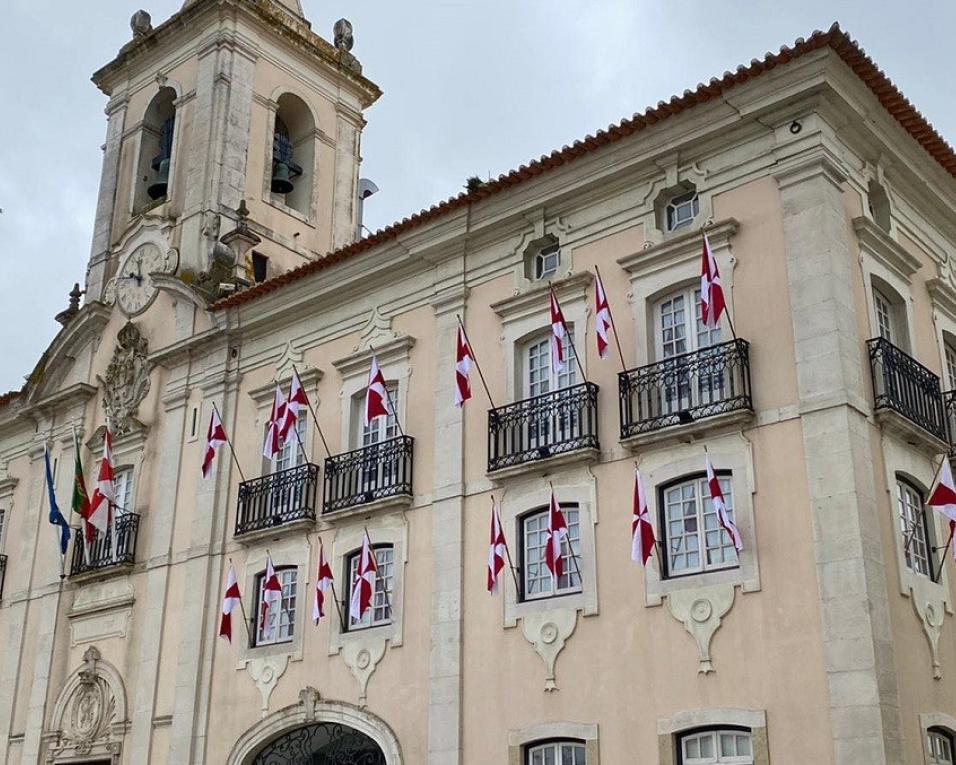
141	23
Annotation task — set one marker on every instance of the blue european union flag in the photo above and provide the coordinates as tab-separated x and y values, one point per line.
56	517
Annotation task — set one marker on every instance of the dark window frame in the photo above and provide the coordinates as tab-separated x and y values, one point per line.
679	737
526	748
347	562
519	567
928	538
254	627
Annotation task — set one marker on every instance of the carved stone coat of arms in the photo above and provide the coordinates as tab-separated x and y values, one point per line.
127	379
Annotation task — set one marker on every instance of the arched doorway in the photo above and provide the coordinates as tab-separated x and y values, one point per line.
323	743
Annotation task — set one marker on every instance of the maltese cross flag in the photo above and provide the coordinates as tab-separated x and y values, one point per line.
270	602
943	498
496	549
557	531
229	602
297	400
323	581
273	442
215	437
376	397
557	334
712	303
602	317
463	361
642	533
720	508
104	495
364	584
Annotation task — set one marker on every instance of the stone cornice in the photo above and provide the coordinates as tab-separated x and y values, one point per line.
531	300
78	393
888	251
678	248
943	295
308	377
387	353
175	354
7	485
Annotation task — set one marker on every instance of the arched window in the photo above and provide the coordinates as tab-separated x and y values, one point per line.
692	537
949	360
536	579
322	742
293	154
562	752
380	611
156	150
889	315
723	746
940	746
915	528
281	622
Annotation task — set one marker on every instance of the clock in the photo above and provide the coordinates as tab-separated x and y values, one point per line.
133	286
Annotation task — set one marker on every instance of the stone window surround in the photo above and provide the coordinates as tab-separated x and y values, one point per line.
672	183
731	453
571	486
928	720
659	269
669	730
541	230
385	528
136	132
519	739
128	451
943	295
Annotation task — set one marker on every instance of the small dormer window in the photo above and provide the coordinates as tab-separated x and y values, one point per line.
681	210
547	260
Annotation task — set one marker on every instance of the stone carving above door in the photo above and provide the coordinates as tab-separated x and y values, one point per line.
127	379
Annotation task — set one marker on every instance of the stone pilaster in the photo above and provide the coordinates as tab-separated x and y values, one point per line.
858	652
348	131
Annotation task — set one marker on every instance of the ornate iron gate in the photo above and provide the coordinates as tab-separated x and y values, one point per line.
321	744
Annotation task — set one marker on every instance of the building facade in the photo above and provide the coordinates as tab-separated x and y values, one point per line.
225	258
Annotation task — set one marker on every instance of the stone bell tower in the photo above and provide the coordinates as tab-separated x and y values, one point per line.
228	101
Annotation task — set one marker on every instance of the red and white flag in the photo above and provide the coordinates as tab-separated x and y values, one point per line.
104	495
497	549
602	318
229	602
720	507
557	334
273	442
376	397
297	400
364	585
271	601
463	362
712	303
215	437
642	532
323	581
943	498
557	531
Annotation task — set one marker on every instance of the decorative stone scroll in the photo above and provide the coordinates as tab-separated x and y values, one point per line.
127	379
548	631
701	610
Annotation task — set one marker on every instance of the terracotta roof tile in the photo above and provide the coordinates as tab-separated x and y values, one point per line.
848	50
8	398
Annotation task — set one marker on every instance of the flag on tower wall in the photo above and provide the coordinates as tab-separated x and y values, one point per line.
80	503
463	362
104	495
55	517
557	531
215	437
642	532
376	396
297	400
497	549
558	327
943	498
323	581
602	317
273	442
712	303
230	600
364	585
271	601
720	508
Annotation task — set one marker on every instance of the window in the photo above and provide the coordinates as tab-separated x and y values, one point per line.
123	488
546	261
381	428
692	535
260	267
680	328
917	548
540	377
681	210
281	622
885	324
536	576
716	746
381	609
949	358
155	150
290	454
293	153
940	745
556	753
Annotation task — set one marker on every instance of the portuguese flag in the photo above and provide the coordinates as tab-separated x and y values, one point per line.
81	500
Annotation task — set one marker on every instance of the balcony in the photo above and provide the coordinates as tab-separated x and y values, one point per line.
907	396
694	391
377	473
101	553
563	422
277	499
3	572
949	409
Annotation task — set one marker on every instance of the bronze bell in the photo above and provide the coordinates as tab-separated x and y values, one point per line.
158	188
281	178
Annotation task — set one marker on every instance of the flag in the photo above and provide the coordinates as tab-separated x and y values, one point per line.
215	437
364	584
376	397
557	334
273	442
56	517
322	583
497	549
712	303
104	495
297	399
642	532
720	507
271	600
602	317
943	497
229	601
557	531
80	504
463	361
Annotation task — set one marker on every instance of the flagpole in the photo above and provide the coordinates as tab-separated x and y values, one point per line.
315	419
942	559
574	555
477	365
378	576
607	302
83	522
335	598
567	333
229	441
391	405
242	609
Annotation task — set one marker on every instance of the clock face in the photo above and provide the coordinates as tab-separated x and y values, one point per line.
134	289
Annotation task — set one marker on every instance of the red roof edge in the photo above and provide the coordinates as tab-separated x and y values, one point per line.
852	54
9	397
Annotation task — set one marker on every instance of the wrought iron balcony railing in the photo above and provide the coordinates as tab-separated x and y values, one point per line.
278	498
101	552
949	410
3	572
536	428
364	475
686	388
903	385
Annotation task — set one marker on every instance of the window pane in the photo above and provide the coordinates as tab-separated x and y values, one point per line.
884	316
717	747
913	528
537	575
281	622
380	611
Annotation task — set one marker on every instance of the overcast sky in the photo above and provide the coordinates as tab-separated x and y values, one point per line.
472	87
